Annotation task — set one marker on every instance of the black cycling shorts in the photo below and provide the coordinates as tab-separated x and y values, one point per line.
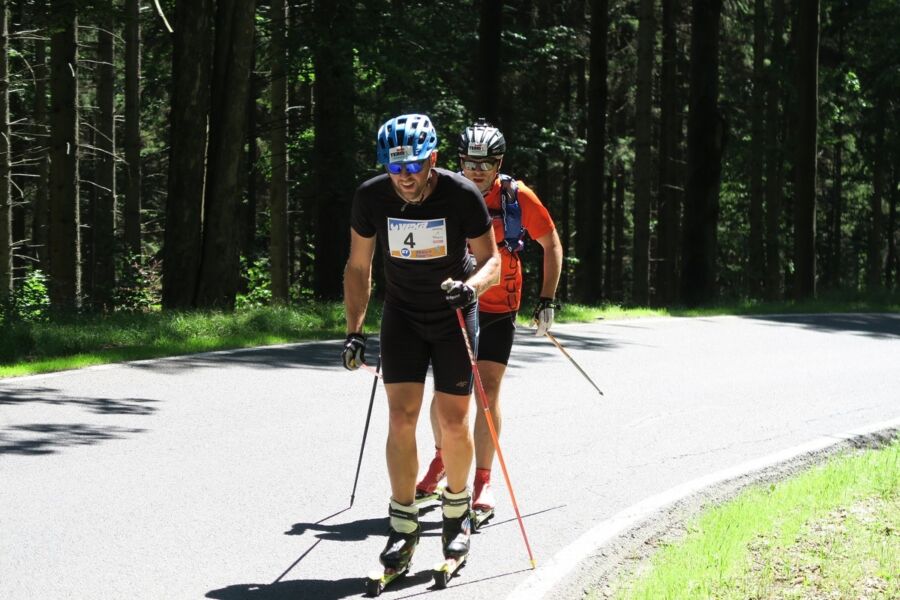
496	338
410	340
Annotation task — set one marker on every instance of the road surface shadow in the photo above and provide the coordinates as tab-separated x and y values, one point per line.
48	438
311	355
99	406
353	531
317	589
872	325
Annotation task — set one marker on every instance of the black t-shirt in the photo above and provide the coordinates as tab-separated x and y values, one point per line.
424	244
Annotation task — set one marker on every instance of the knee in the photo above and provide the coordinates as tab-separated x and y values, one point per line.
401	420
455	425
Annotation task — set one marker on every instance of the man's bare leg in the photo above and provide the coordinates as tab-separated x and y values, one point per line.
404	404
456	438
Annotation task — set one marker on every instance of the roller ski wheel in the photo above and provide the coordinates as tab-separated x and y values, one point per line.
480	516
446	569
381	578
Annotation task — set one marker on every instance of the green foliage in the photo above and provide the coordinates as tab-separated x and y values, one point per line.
257	278
31	301
139	287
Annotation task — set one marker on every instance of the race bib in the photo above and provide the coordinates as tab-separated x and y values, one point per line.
417	240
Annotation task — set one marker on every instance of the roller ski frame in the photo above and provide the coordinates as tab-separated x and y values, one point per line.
480	517
444	571
379	579
422	498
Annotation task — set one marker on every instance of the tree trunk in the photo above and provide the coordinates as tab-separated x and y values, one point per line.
875	258
643	162
774	155
837	207
220	266
6	241
334	121
757	143
41	209
278	192
618	261
104	207
487	68
667	214
63	234
805	164
132	144
591	264
580	233
247	211
187	154
892	272
706	134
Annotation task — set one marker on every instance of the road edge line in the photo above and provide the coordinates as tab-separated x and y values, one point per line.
552	572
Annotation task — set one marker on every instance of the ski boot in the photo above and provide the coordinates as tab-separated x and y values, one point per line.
455	536
483	501
397	554
427	489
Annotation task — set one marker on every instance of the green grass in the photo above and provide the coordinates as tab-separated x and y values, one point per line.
70	343
832	532
27	348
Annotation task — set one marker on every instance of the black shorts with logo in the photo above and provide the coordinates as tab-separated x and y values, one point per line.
412	339
496	338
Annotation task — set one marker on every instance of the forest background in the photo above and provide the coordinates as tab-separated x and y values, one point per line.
689	151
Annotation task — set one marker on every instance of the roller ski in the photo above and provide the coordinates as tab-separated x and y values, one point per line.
454	539
483	499
428	489
397	554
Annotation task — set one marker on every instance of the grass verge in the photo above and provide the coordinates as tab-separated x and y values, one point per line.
831	532
74	342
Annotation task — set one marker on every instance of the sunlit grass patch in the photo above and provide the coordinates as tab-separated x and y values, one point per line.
830	532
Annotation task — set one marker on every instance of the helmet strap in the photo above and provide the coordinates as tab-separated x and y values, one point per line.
421	198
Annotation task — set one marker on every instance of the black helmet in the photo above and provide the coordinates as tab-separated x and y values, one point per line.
481	139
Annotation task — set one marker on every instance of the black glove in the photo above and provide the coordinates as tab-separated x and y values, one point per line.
543	314
354	353
459	294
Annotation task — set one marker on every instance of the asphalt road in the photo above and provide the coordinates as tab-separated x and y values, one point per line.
228	475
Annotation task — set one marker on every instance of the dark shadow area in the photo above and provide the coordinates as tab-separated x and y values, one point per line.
570	341
354	531
314	589
100	406
872	325
311	355
47	438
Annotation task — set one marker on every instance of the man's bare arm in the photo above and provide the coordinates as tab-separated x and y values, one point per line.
358	280
487	272
553	255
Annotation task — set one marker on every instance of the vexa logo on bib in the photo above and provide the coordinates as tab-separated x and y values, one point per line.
417	240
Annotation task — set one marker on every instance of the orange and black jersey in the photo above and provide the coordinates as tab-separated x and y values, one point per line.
507	295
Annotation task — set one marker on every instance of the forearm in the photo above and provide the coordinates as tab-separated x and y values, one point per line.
552	271
486	275
357	290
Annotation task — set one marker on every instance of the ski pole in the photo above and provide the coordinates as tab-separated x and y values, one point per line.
366	429
490	421
566	354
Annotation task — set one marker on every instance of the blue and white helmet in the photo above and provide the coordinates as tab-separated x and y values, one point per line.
406	138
